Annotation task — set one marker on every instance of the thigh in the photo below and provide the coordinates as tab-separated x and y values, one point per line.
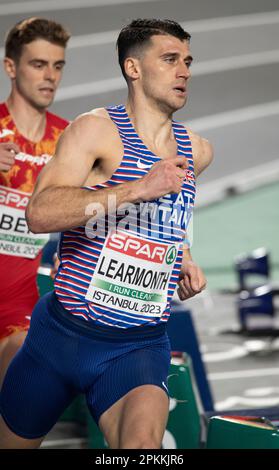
10	440
147	365
138	420
33	396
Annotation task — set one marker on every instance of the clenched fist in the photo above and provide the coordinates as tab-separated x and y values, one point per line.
164	177
192	280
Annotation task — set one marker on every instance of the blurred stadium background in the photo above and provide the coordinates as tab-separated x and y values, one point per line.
234	103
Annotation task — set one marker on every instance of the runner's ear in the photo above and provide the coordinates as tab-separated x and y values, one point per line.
132	69
10	67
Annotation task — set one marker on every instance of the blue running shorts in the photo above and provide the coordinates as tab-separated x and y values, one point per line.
63	357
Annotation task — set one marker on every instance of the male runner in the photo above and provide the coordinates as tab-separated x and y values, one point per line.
34	61
103	330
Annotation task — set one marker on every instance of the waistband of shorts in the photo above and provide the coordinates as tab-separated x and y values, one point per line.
99	332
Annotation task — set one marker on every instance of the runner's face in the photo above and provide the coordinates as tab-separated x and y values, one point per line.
39	71
165	67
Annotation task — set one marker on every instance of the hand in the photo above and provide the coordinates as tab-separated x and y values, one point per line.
164	177
8	150
54	269
192	280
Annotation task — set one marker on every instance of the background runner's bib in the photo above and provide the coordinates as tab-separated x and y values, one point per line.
15	237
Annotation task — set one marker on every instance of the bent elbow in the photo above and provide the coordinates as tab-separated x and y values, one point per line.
33	220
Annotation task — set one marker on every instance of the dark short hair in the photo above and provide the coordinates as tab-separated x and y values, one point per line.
137	34
29	30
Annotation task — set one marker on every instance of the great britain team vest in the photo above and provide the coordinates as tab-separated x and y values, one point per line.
121	270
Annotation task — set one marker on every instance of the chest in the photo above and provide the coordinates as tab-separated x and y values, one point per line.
126	155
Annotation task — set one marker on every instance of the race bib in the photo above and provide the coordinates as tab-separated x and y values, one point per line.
133	275
15	237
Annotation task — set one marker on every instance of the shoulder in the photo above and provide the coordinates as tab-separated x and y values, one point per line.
202	151
93	130
95	123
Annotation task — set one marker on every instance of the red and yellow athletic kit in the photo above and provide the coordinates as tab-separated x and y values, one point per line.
20	250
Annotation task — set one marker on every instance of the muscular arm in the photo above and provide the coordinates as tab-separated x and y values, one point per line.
60	203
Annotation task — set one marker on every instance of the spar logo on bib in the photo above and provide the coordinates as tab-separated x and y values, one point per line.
140	248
